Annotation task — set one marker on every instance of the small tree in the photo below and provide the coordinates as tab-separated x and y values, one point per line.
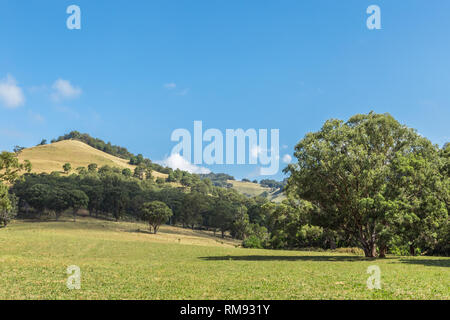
139	172
127	172
81	170
18	149
67	167
156	213
92	168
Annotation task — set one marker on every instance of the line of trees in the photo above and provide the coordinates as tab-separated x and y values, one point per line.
109	191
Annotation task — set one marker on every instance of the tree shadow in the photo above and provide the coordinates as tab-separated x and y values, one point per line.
140	231
287	258
428	262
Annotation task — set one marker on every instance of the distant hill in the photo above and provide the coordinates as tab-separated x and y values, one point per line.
252	189
51	157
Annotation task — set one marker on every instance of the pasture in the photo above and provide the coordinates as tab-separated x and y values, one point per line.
124	261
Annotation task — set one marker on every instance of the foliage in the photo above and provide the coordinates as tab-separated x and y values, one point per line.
371	178
7	207
253	242
99	144
156	213
10	168
67	167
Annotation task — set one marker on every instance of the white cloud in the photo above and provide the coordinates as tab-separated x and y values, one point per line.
11	95
176	161
63	89
287	158
170	86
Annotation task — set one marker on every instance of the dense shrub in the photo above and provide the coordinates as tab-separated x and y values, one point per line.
253	242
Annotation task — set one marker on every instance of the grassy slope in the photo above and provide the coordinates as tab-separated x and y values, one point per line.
53	156
254	189
119	262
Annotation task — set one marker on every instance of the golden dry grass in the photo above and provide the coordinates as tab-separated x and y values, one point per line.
254	189
51	157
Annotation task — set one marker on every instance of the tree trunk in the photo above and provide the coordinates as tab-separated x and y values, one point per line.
370	250
383	251
412	250
332	243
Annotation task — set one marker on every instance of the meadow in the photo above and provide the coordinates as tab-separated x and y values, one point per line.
124	261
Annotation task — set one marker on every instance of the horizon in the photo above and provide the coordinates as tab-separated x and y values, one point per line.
133	74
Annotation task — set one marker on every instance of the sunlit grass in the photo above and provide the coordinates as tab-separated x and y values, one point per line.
124	261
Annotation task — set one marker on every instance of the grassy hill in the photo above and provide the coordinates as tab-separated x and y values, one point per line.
255	189
52	157
124	261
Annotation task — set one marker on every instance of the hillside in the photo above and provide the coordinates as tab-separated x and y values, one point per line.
255	189
52	157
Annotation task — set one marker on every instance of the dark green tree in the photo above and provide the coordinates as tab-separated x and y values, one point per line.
156	213
67	167
347	171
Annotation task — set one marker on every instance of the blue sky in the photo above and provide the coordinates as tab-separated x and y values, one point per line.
137	70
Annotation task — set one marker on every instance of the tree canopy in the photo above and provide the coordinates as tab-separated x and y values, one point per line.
369	177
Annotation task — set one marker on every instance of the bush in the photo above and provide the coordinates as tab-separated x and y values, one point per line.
310	236
253	242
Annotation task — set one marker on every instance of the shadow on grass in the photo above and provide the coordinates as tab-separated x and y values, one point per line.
425	262
428	262
287	258
143	231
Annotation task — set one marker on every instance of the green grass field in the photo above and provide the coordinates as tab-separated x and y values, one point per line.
124	261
